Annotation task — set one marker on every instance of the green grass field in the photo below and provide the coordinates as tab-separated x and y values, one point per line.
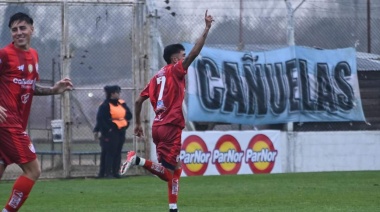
328	191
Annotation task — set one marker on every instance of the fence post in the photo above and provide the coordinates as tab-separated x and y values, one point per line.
65	64
145	29
140	48
290	37
290	17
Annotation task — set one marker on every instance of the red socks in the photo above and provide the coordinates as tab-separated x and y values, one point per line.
173	186
20	192
157	169
164	174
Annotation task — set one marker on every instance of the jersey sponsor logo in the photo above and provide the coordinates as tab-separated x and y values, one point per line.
194	156
227	155
261	154
23	81
30	68
25	98
20	68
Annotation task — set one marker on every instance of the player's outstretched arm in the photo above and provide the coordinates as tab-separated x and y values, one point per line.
138	106
59	87
199	44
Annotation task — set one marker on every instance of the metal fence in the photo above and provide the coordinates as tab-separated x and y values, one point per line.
120	42
98	41
265	25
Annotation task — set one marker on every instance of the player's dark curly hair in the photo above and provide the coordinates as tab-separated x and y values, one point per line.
172	49
20	17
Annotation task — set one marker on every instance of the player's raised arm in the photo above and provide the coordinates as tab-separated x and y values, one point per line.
199	44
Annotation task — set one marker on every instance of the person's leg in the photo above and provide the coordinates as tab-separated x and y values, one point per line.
119	148
167	139
23	185
2	168
101	173
111	154
2	157
108	159
17	139
157	169
171	161
173	188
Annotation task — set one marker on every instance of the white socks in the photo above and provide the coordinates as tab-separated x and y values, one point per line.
142	162
173	206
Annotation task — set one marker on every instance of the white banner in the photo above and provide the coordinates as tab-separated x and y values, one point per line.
230	152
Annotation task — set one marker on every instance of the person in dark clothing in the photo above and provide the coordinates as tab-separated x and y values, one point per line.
101	173
112	121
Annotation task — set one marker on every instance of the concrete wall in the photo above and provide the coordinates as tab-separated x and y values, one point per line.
326	151
330	151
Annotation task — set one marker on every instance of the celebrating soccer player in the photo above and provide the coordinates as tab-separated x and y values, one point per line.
18	76
166	91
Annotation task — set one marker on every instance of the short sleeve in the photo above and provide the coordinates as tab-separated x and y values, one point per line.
145	91
35	55
178	69
3	59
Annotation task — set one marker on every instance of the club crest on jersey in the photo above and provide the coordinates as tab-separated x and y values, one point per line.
25	98
20	68
30	68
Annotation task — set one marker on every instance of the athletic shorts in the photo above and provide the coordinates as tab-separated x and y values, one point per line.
167	139
16	146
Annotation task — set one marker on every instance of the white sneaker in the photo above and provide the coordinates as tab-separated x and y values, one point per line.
130	161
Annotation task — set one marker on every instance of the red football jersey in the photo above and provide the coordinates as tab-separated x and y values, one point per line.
166	91
18	76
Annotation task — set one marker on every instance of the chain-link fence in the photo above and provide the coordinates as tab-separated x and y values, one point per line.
264	25
102	47
100	43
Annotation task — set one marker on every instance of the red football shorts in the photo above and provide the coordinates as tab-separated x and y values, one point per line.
167	139
16	146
